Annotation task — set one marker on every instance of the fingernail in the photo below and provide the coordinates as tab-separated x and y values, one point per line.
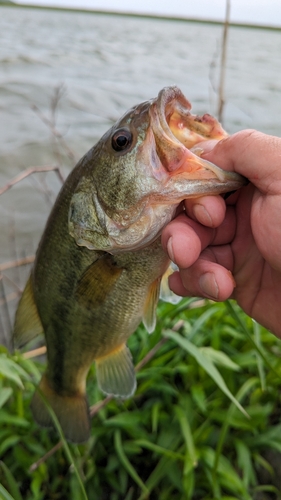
202	215
170	249
209	286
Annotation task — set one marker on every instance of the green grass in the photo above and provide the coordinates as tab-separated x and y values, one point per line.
204	423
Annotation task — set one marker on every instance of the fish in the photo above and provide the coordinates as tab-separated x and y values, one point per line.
100	264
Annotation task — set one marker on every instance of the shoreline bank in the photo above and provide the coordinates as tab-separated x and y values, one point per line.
140	15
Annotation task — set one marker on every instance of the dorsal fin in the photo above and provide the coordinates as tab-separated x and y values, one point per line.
150	306
27	321
166	293
97	281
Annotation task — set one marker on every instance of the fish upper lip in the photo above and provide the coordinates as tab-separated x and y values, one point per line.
177	131
173	106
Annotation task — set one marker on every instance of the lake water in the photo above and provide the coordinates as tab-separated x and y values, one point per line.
104	64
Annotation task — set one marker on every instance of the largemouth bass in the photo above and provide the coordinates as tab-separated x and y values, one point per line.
100	263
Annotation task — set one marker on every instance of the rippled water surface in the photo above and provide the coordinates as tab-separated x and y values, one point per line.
104	64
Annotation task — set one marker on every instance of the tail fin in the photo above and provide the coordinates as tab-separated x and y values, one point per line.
72	412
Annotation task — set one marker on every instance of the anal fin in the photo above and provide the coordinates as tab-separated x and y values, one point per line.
116	373
27	322
71	410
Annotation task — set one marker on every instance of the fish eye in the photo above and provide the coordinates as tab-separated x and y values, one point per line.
121	140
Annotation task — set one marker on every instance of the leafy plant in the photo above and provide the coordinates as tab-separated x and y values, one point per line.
203	424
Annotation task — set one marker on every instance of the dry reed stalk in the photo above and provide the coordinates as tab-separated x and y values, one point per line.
16	263
59	91
9	297
30	171
223	62
35	352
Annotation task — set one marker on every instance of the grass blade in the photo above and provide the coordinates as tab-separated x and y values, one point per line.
187	435
5	393
247	332
208	366
4	494
156	475
203	318
260	364
65	445
246	387
159	449
11	482
125	462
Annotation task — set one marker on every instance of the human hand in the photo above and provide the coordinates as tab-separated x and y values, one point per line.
232	249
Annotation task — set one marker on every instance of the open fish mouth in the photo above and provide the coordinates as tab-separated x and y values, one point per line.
177	121
177	131
154	165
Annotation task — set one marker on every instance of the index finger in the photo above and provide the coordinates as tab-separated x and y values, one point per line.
184	239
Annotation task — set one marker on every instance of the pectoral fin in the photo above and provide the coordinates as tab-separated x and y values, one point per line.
150	306
27	322
97	282
116	373
165	293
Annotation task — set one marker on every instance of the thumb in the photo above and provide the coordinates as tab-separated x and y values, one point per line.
253	154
